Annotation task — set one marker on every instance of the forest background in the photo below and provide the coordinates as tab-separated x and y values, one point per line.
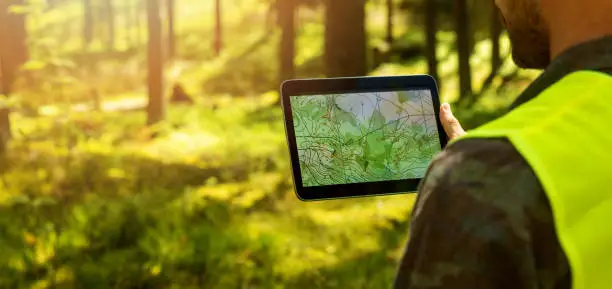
142	141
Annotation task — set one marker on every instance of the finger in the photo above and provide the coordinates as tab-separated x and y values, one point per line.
450	123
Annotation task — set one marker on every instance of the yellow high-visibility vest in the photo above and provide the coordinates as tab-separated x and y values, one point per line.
565	135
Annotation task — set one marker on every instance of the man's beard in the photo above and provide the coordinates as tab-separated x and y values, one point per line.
530	43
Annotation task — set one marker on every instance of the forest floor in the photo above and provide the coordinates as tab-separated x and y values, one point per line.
208	203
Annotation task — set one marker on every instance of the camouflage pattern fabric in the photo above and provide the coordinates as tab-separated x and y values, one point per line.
482	219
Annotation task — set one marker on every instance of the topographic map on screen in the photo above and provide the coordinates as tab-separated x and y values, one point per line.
364	137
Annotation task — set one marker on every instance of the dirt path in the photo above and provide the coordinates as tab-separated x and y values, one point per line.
124	104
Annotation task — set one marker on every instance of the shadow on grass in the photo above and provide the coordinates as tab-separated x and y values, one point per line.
127	221
372	270
68	179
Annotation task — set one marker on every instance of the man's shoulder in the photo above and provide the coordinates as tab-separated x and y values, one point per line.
487	173
481	161
479	217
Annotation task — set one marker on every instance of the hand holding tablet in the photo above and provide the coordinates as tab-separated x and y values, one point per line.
361	136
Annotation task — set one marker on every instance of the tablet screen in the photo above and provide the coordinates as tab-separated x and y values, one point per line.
364	137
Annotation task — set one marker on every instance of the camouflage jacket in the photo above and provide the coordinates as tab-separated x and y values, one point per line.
482	219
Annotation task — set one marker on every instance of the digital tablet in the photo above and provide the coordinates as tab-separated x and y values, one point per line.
361	136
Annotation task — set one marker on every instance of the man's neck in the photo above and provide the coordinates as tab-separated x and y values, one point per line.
572	22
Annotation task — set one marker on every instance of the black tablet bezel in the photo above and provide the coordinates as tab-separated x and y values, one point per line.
304	87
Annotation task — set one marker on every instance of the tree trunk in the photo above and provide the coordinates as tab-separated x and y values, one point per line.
87	24
345	38
8	64
17	38
155	110
496	31
463	49
109	8
286	18
431	30
390	17
171	37
218	42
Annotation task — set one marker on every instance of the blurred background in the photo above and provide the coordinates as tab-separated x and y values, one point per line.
142	142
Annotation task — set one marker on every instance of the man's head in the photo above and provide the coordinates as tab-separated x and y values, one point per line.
527	31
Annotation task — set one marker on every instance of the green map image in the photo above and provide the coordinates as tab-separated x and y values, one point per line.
364	137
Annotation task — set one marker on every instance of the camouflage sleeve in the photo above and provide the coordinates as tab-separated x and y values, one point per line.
482	220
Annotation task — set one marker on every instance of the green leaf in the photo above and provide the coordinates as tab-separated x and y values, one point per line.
33	65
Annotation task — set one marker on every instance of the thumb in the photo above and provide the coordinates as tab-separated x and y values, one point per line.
450	123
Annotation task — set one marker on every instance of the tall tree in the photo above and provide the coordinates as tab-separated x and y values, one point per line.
13	54
286	19
6	76
345	38
109	9
218	41
18	36
88	23
463	36
496	31
171	36
390	18
156	107
431	29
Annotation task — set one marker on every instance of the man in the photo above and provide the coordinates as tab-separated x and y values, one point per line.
524	202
